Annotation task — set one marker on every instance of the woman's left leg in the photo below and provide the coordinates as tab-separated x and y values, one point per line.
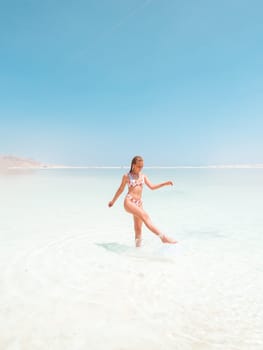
138	230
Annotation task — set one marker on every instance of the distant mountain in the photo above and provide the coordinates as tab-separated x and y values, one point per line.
8	161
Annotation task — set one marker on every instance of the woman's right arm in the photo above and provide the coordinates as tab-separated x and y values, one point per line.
119	191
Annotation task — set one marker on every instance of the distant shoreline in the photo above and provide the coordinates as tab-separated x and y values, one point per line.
8	162
62	167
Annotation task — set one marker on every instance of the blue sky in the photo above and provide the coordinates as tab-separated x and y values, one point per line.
96	82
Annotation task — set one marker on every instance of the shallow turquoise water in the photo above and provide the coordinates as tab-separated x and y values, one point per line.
71	277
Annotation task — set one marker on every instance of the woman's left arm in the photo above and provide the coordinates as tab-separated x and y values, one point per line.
156	186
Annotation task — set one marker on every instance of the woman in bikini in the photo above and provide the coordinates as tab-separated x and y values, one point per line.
133	202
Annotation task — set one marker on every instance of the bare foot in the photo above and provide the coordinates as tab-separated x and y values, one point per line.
166	239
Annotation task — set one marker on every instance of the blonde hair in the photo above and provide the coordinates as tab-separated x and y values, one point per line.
135	160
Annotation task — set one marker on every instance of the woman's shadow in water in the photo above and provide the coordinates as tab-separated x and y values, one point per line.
115	247
164	253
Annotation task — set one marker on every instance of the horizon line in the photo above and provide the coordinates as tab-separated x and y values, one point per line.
221	166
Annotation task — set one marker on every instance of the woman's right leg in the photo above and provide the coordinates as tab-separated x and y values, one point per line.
133	209
140	213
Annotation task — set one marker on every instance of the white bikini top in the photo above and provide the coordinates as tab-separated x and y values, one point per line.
135	182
